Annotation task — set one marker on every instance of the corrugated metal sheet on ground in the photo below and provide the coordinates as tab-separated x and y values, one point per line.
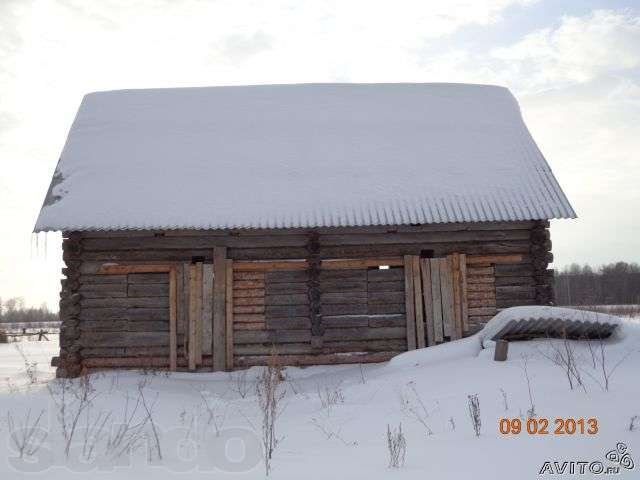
554	328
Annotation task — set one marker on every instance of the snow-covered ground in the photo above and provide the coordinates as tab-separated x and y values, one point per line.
333	420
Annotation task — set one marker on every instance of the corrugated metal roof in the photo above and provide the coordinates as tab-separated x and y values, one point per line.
299	156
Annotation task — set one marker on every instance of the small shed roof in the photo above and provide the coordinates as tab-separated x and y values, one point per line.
323	155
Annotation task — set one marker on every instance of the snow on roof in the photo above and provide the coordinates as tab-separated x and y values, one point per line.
311	155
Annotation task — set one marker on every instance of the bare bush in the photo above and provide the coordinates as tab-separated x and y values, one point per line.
531	412
128	434
241	383
601	365
505	401
396	446
149	418
412	404
30	367
330	395
564	357
452	424
270	395
216	413
70	410
27	437
474	413
330	431
632	423
93	434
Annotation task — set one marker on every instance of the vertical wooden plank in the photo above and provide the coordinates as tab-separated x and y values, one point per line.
417	286
425	270
454	261
184	302
181	314
409	296
173	319
219	307
207	308
193	313
198	295
446	289
229	319
464	302
436	299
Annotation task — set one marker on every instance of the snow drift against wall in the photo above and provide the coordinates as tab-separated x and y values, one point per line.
299	156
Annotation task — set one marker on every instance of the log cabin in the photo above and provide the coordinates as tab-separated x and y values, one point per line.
207	229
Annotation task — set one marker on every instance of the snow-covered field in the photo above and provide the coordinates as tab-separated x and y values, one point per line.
333	420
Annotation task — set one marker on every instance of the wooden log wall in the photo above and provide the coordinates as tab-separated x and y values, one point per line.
525	280
361	312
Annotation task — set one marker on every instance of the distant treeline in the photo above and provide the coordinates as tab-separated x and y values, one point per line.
613	284
13	310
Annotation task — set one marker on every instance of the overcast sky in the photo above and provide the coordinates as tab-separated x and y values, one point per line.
574	67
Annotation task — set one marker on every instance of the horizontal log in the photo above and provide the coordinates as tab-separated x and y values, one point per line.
365	333
152	302
292	323
192	242
337	286
480	279
115	313
101	279
286	288
326	359
282	349
253	292
283	311
479	271
240	309
103	290
124	326
514	281
482	302
242	275
509	302
345	321
386	297
127	269
343	297
248	301
130	362
265	266
145	278
287	276
343	309
364	346
272	336
495	259
480	319
287	299
249	317
93	352
481	311
148	290
123	339
250	326
385	286
385	308
356	263
514	270
481	295
515	292
481	287
385	275
352	274
424	238
248	284
397	320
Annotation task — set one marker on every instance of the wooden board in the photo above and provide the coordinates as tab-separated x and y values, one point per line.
173	319
219	308
410	302
207	308
419	311
446	289
425	271
436	296
229	314
199	319
193	314
463	293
